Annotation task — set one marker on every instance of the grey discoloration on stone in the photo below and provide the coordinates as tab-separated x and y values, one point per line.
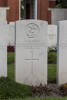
31	52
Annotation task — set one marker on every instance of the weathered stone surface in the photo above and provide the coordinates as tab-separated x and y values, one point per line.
52	36
11	36
62	53
31	52
58	15
3	14
3	48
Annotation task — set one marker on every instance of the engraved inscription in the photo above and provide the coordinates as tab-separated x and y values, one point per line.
32	30
32	59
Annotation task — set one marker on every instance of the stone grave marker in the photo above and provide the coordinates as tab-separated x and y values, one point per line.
31	52
4	33
62	53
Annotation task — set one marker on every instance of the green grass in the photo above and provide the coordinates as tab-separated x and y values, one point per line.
52	57
11	89
51	72
11	71
10	57
11	67
41	99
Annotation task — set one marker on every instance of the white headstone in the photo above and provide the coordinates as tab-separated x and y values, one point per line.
58	14
62	53
52	36
3	61
31	52
4	35
11	36
3	48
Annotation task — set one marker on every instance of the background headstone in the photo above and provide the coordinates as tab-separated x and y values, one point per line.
11	36
58	14
31	52
52	36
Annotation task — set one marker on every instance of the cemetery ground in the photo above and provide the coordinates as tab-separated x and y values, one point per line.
10	89
41	99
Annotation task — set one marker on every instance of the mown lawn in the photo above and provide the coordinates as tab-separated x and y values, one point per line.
52	72
41	99
11	71
10	57
11	66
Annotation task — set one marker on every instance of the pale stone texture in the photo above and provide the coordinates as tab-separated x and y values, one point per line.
3	13
10	27
3	61
4	32
3	48
62	53
52	36
31	52
58	15
11	36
